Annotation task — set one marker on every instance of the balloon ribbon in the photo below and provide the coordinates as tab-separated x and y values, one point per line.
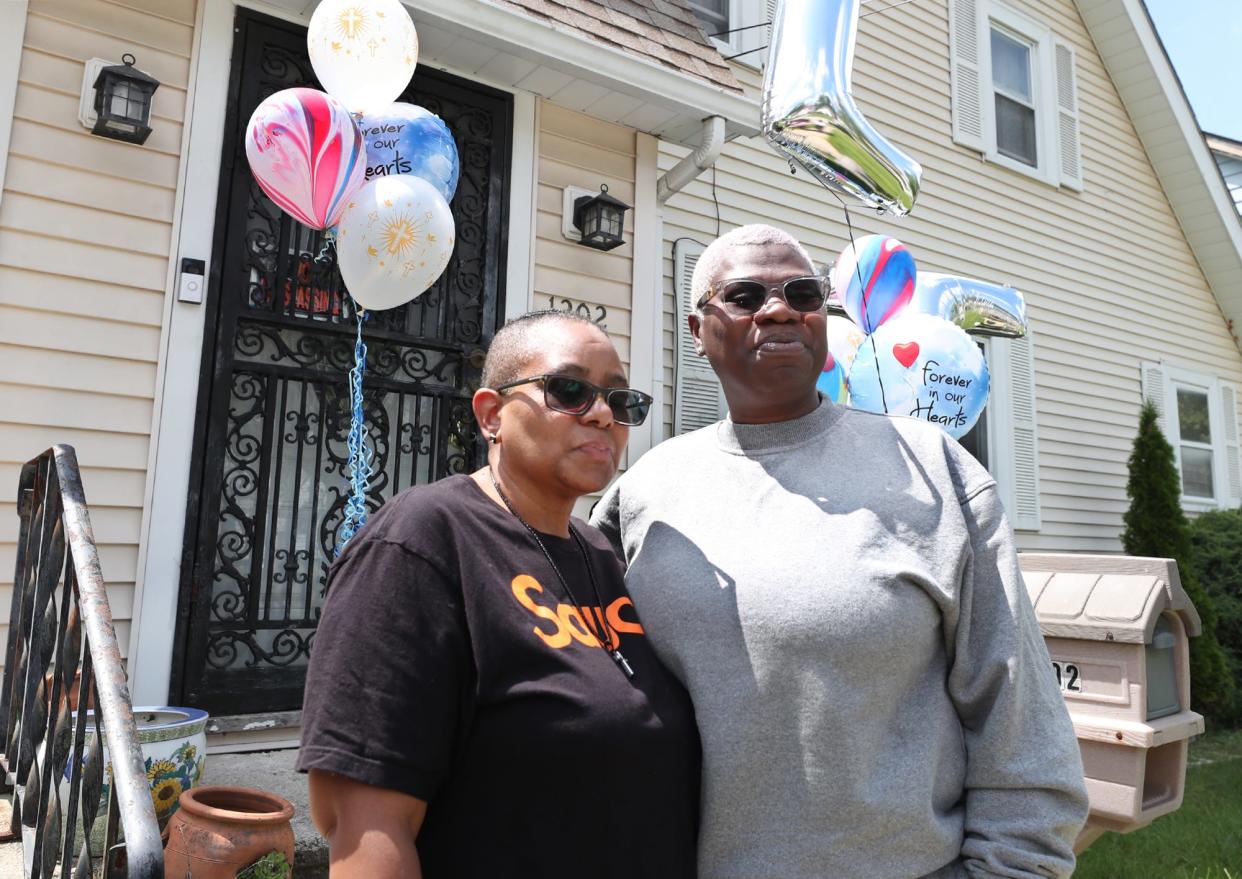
849	225
360	453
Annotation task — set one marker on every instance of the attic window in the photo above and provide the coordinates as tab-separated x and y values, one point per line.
1015	98
713	15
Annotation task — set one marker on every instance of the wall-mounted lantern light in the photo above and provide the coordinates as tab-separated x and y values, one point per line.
123	102
600	219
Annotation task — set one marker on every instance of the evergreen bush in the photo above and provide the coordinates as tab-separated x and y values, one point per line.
1157	526
1217	538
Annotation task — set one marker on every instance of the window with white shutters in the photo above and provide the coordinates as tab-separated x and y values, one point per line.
1199	417
1014	92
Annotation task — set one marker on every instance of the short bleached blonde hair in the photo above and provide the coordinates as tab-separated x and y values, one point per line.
707	269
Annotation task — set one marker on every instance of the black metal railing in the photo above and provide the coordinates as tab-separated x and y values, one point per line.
62	655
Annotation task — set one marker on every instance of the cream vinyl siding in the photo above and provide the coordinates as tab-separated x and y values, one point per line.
576	150
85	226
1109	278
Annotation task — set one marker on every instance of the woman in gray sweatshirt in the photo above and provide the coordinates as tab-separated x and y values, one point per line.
839	592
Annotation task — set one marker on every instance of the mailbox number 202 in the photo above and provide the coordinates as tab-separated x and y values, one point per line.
1068	676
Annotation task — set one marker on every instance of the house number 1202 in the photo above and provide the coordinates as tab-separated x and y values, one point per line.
581	309
1068	676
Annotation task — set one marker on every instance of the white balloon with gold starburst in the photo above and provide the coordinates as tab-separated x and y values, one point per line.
394	240
363	51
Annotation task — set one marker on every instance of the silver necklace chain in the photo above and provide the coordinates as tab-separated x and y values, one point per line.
613	649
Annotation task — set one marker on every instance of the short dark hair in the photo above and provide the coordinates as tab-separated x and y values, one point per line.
510	350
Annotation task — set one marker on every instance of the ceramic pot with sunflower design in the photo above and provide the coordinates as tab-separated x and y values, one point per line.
174	748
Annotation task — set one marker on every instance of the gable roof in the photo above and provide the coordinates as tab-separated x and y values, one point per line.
664	31
1139	67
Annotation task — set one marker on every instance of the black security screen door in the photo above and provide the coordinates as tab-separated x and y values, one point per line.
269	476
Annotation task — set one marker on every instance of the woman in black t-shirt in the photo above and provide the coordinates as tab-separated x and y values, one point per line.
482	700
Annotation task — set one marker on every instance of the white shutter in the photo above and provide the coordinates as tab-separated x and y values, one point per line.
1026	514
1068	140
1154	389
769	7
966	79
697	400
1233	465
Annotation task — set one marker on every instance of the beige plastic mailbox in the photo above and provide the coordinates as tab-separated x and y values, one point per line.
1118	629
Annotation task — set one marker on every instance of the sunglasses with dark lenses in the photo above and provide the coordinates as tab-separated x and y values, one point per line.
574	396
746	296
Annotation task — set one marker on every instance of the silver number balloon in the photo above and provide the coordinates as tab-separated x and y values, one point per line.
980	308
809	113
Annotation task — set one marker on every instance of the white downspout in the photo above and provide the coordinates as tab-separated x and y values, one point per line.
703	157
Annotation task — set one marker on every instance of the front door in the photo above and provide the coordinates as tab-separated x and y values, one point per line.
269	476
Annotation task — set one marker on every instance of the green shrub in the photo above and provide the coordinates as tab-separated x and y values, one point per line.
271	866
1157	526
1217	538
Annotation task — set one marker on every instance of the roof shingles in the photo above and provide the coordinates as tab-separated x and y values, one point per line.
663	31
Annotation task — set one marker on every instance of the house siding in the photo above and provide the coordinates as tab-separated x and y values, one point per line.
85	229
577	150
1108	275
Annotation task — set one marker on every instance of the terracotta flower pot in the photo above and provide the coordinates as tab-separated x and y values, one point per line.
219	830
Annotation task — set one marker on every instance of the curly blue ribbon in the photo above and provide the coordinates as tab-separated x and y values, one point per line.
360	453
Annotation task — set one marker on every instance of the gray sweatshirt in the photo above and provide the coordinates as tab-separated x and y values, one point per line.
840	594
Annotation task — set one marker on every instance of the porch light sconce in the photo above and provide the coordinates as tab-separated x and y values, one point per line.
600	219
123	102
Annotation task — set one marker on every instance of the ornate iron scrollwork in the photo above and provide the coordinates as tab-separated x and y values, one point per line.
274	448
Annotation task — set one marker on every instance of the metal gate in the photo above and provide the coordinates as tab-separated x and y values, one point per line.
269	475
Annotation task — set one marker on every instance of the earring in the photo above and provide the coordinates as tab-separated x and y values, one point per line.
494	439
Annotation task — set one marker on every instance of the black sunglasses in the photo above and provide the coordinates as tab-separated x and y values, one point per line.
574	396
745	296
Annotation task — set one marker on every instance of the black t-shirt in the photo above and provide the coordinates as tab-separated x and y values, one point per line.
450	665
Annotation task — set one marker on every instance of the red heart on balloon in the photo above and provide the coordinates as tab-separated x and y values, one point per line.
906	353
830	364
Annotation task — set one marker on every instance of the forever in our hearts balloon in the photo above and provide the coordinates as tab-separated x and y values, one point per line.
408	139
925	367
874	277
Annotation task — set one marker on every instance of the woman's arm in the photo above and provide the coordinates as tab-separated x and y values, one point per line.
1025	797
370	830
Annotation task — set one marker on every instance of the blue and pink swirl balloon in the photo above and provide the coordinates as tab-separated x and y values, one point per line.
874	278
307	154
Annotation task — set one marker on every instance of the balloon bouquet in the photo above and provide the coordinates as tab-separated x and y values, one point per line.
905	348
376	175
913	352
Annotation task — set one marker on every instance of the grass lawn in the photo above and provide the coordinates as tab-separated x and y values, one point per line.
1201	840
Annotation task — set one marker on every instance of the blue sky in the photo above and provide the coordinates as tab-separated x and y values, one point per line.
1204	42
